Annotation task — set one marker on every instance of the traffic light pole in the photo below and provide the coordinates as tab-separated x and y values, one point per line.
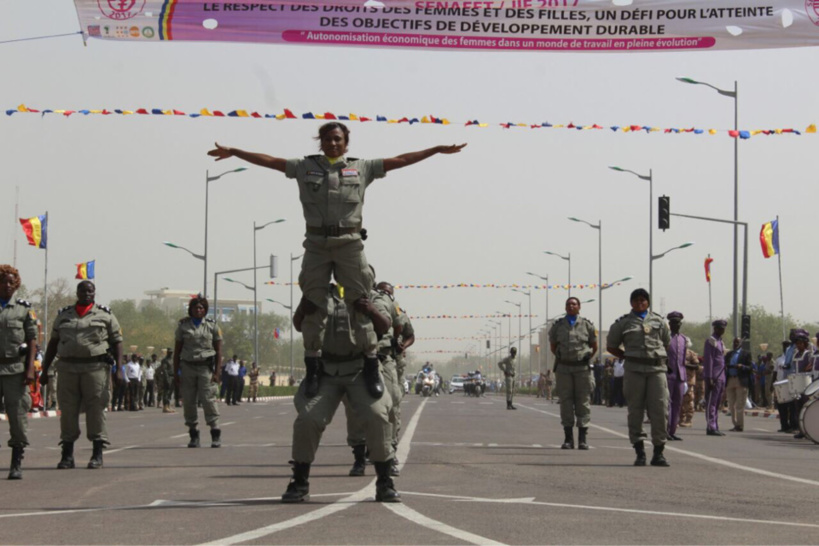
744	262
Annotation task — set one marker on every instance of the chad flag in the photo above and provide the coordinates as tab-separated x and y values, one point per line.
36	230
85	271
769	238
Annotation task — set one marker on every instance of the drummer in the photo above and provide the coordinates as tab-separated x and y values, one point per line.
802	363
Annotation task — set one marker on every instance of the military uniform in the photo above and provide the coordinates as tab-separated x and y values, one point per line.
165	380
574	379
389	367
332	197
407	331
253	374
692	365
84	370
197	365
18	325
507	366
51	390
644	342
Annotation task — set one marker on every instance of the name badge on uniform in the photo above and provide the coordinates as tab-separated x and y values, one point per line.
315	173
647	329
349	172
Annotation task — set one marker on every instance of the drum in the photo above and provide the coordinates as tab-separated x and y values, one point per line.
799	382
782	390
812	391
809	420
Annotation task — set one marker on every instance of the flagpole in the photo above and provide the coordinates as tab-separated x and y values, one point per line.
781	298
45	288
710	313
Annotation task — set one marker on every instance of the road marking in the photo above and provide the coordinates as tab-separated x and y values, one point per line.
179	436
761	430
415	517
228	424
706	458
454	402
284	413
532	502
109	452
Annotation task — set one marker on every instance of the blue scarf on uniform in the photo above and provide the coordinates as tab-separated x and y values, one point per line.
571	319
641	315
196	321
3	303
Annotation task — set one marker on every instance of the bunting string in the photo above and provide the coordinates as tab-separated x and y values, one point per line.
475	285
456	317
289	115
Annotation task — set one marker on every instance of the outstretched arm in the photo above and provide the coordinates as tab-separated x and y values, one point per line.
405	160
262	160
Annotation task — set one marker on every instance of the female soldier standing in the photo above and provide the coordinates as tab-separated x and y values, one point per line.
198	352
18	332
644	337
82	337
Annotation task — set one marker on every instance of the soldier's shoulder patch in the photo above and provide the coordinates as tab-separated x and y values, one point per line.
315	157
104	308
350	159
64	309
210	320
183	320
24	303
623	317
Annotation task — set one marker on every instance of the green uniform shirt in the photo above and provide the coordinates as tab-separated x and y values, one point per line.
18	325
643	340
407	330
88	336
341	356
333	195
165	369
197	341
387	307
573	342
507	365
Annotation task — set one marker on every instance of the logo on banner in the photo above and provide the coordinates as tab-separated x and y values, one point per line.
121	9
812	7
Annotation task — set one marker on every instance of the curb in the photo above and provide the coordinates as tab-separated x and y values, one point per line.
766	414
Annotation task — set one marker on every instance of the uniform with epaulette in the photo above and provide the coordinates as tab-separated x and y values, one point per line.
18	331
507	367
82	347
573	341
197	362
341	375
164	374
644	342
407	331
332	197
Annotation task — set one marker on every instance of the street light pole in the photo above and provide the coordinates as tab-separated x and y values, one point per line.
568	259
292	259
529	295
208	180
255	287
519	306
599	228
650	179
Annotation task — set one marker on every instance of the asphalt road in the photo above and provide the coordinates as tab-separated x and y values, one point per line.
473	473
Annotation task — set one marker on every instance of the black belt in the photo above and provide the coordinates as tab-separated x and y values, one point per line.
11	360
332	231
329	357
83	359
574	363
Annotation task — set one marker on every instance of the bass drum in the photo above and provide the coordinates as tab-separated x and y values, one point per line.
812	391
809	420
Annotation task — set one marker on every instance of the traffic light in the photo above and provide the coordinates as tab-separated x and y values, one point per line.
664	214
746	327
487	344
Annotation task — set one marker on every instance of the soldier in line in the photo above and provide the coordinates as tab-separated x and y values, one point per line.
342	374
18	336
677	376
507	366
51	390
82	337
164	375
644	337
713	371
331	189
197	354
253	374
692	370
573	341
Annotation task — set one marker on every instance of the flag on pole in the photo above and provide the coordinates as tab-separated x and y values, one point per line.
708	269
85	271
769	238
36	230
276	333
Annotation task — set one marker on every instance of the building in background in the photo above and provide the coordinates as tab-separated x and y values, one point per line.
176	301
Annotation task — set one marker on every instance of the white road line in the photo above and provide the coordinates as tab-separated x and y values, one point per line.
532	502
706	458
109	452
761	429
179	436
227	424
408	513
454	402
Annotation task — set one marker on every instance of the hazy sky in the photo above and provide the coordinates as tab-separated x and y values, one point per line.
116	187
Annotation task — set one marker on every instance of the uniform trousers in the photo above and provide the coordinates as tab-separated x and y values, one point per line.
396	394
736	394
83	386
254	390
510	388
574	387
687	410
197	386
356	427
133	394
342	258
314	414
51	392
166	388
713	397
646	392
17	401
675	399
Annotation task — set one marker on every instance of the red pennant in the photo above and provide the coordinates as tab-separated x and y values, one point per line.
328	115
288	114
255	115
178	113
218	114
733	134
142	111
364	119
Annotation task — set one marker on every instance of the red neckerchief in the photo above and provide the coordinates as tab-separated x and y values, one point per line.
82	310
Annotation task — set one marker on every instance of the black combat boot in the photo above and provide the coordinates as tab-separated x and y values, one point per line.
394	470
658	459
568	441
215	437
67	457
509	405
360	462
372	379
581	438
312	364
194	434
15	472
384	486
640	449
298	490
96	454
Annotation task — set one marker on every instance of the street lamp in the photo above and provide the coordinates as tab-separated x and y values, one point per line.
650	179
658	256
733	95
568	259
208	180
292	259
195	255
255	285
255	312
529	295
498	324
599	228
518	305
